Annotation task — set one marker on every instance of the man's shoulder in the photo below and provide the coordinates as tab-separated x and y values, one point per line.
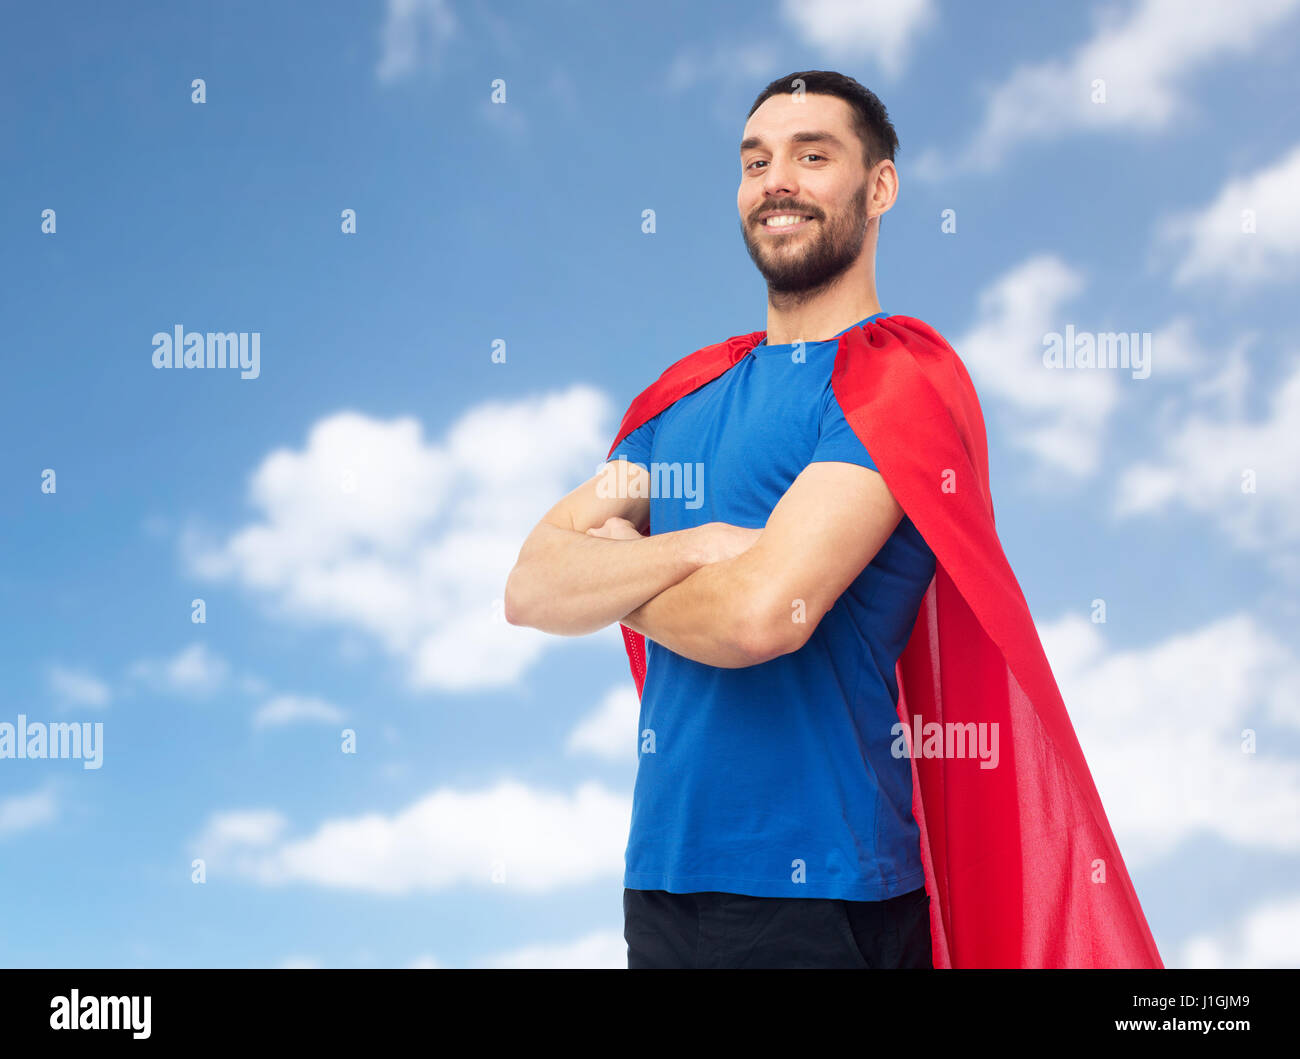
684	375
705	355
917	342
927	343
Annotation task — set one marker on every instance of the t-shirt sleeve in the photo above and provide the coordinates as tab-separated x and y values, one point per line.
637	446
836	442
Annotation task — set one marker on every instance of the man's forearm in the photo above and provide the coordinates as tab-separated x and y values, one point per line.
569	583
714	616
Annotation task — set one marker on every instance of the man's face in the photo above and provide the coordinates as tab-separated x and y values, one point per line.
822	180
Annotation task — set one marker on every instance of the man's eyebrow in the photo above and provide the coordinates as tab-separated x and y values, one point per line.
812	136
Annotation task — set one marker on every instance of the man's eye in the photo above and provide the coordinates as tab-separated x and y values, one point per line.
759	161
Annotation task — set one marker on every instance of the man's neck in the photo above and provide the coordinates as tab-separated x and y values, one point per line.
818	321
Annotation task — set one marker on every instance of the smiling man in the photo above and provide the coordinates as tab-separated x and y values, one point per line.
768	620
771	825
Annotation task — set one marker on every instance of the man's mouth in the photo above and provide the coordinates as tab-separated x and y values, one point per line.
785	222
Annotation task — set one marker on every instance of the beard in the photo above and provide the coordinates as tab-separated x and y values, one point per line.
805	263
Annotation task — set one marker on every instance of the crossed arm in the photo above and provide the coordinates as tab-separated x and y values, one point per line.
718	594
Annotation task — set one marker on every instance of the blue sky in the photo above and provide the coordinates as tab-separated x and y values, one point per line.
349	515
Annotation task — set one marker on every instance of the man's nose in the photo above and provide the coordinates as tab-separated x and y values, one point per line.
778	179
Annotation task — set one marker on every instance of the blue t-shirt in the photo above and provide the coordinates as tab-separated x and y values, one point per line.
775	780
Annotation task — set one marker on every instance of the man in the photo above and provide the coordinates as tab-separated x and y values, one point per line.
771	825
777	585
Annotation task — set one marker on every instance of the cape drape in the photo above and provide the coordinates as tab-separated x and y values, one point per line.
1020	862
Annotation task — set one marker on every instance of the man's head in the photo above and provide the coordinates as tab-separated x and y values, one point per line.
817	145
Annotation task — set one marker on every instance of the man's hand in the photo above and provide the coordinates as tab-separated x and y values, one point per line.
616	529
712	542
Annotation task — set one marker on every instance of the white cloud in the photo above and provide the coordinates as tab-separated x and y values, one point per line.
1179	348
22	812
564	89
1218	249
193	671
533	840
1161	729
1201	465
733	64
1267	936
251	684
77	688
240	829
610	731
1056	414
414	34
1060	415
853	30
290	709
509	118
1143	55
371	528
606	949
845	30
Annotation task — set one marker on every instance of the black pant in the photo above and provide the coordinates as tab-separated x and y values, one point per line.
713	929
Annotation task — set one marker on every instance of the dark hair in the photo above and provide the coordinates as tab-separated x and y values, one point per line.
870	119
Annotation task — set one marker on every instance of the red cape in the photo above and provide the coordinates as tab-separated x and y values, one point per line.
1020	862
